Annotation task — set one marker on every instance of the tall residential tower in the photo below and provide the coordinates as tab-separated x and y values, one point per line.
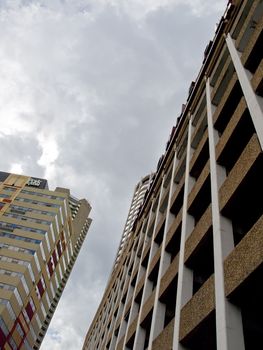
190	276
136	203
41	233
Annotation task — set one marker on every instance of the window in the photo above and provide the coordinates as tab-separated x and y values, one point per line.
23	280
38	321
27	200
52	233
45	195
3	327
26	316
31	272
26	218
27	346
11	227
3	195
42	251
9	189
11	311
32	332
18	297
21	238
22	210
7	286
37	262
17	249
12	343
20	330
43	309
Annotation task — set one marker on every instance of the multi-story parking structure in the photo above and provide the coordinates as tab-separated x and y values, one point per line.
41	232
191	275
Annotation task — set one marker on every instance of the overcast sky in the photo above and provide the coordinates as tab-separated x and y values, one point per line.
89	92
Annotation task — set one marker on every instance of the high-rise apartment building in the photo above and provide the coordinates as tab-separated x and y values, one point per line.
41	233
190	276
136	203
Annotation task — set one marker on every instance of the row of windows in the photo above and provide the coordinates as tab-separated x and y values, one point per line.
13	260
26	218
17	249
33	201
16	274
19	238
23	210
3	195
11	288
19	262
11	227
39	194
10	189
7	286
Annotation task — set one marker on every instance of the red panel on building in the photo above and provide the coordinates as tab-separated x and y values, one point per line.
59	249
40	288
29	311
54	255
50	267
2	338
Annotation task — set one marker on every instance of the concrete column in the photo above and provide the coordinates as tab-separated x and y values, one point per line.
254	102
148	286
141	270
228	318
185	275
123	324
121	310
159	308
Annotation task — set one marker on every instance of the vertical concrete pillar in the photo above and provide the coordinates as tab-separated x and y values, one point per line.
148	286
254	102
141	271
159	308
185	275
228	318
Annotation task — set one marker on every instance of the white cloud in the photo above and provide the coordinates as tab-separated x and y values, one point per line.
16	168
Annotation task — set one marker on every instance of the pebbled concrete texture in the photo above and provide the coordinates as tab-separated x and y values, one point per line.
233	122
164	341
198	233
197	308
256	81
239	171
252	40
148	305
169	275
246	257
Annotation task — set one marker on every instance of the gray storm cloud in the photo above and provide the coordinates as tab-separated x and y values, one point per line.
89	93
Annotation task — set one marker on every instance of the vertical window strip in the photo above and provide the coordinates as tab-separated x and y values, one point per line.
52	233
64	264
32	332
42	251
18	297
37	262
4	327
23	280
31	272
47	241
38	321
52	290
11	311
43	309
60	271
47	299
